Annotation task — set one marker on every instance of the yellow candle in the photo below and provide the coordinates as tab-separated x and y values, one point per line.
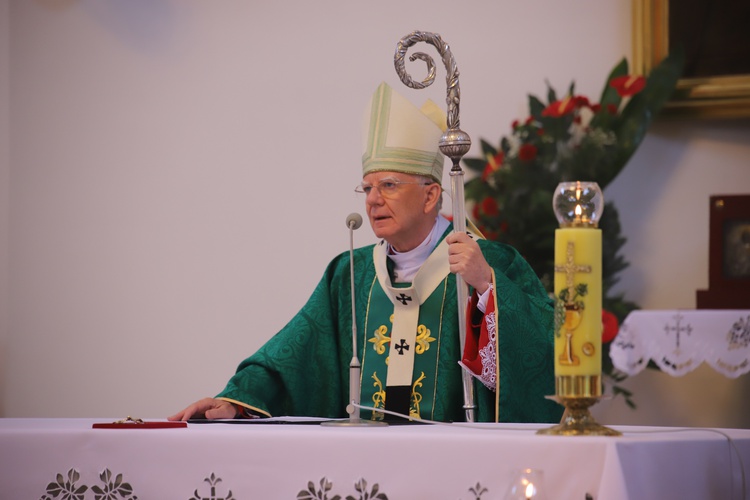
578	311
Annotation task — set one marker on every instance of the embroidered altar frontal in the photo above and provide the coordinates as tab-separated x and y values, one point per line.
66	458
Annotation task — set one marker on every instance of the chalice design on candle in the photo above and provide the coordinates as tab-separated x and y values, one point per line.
570	306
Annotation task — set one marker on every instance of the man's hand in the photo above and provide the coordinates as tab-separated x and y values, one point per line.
209	408
466	259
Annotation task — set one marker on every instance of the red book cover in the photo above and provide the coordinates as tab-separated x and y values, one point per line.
137	423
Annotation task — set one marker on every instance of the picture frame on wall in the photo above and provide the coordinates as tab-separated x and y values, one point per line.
728	254
715	37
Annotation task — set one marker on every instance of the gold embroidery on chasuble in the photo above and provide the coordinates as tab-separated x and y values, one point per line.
416	397
378	398
378	332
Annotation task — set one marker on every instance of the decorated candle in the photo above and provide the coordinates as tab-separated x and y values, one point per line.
578	290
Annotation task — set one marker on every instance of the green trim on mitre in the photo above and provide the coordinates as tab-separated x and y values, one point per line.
401	137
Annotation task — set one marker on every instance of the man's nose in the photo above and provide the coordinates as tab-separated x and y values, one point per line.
374	197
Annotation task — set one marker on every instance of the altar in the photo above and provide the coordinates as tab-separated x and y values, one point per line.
49	458
678	341
703	359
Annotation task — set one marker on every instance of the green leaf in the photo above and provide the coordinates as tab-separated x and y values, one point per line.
572	89
551	94
535	106
640	111
487	148
609	94
475	164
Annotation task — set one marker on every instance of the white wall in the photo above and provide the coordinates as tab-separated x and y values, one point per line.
667	183
180	172
4	194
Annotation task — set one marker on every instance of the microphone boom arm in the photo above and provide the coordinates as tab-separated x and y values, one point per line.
353	221
355	367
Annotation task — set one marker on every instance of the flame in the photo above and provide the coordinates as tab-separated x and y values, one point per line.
530	490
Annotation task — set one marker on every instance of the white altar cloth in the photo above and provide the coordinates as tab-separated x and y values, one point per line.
280	461
678	341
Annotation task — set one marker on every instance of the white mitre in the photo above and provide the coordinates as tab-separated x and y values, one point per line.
399	137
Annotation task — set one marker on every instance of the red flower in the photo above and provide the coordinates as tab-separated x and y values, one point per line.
596	108
628	84
560	108
527	152
581	101
493	164
490	207
610	326
611	109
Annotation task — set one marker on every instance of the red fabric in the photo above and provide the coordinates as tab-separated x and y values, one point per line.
481	338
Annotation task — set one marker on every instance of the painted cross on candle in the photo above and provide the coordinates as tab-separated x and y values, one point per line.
570	269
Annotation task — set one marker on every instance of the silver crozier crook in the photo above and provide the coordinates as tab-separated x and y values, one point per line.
454	143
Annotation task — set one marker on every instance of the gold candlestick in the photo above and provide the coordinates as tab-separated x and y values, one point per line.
577	420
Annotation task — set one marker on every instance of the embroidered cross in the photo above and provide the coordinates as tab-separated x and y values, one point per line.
401	347
677	328
404	298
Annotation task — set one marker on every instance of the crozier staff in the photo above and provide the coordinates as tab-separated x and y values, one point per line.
406	307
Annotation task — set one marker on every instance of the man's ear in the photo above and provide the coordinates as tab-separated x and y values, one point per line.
433	193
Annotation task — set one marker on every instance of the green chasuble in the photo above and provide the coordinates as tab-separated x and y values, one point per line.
304	369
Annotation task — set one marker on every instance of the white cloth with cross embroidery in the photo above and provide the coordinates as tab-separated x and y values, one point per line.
678	341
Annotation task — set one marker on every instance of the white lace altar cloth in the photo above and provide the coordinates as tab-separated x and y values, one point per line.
678	341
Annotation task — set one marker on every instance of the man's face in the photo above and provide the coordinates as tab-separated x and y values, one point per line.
404	216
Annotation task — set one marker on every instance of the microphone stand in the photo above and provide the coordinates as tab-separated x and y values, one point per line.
454	144
354	221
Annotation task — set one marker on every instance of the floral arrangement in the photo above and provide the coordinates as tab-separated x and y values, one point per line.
566	139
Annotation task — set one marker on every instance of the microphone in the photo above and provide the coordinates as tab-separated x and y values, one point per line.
353	221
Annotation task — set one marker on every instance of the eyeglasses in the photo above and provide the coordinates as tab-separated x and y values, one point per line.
386	187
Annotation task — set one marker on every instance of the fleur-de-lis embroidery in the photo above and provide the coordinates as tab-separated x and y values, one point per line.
213	480
380	339
423	339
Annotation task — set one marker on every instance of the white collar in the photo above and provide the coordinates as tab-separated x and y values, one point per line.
406	264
